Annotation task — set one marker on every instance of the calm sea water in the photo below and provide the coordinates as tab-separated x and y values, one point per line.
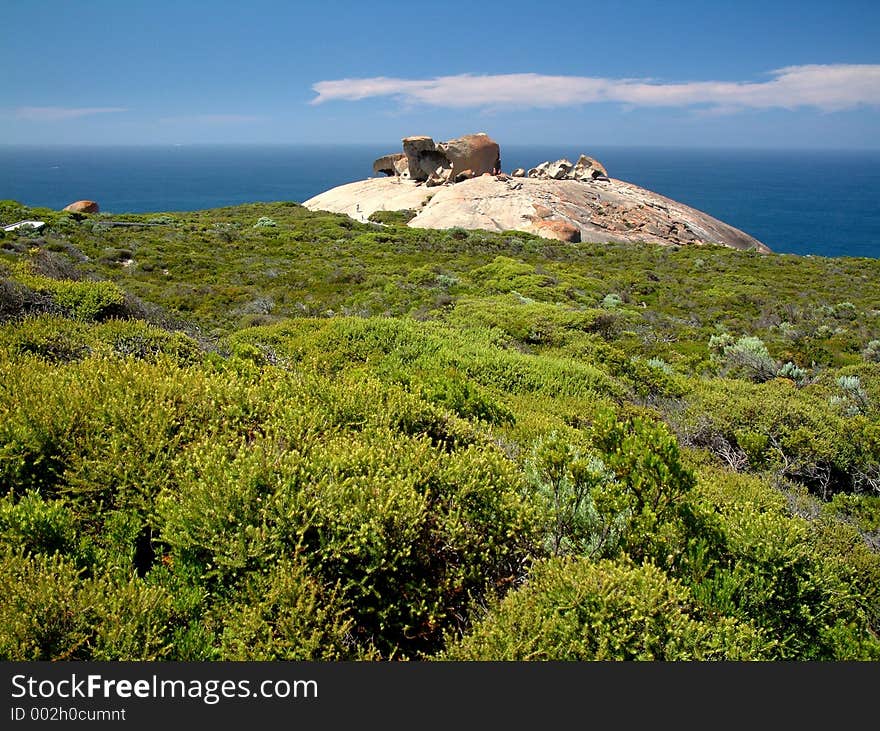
825	203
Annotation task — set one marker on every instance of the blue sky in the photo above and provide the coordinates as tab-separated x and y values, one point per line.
723	74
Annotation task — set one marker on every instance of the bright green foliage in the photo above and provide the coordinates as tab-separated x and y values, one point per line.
57	339
393	217
37	526
52	611
285	615
326	440
748	558
376	488
580	610
462	397
650	487
84	300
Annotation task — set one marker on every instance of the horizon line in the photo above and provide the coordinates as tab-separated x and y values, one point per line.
614	145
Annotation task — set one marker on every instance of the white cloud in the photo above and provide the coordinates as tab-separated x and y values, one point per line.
827	87
56	114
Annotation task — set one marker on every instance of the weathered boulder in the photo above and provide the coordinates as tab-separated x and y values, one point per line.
464	175
422	157
559	170
539	171
83	207
585	169
387	164
561	230
519	173
588	168
477	152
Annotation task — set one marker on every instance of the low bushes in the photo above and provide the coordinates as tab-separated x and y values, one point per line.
580	610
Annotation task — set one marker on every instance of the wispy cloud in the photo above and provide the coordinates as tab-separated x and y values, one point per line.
56	114
827	87
212	119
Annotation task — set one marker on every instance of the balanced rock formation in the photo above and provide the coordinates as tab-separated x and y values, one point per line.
444	162
82	207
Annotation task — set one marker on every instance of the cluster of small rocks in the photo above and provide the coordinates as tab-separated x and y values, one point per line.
586	168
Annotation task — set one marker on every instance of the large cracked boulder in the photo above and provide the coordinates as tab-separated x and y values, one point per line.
478	153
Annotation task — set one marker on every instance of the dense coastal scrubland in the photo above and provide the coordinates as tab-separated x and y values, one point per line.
268	433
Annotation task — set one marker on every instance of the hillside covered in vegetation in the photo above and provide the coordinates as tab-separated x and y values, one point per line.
267	433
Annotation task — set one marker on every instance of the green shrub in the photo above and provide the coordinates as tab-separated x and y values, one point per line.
611	301
580	610
651	485
872	351
749	559
286	615
407	531
393	218
34	525
568	480
467	400
50	613
805	437
792	372
853	399
85	300
747	358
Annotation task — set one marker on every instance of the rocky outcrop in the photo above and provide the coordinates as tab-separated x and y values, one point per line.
586	168
83	207
594	210
459	183
445	162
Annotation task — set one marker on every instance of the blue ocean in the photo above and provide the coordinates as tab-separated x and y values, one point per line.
824	203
